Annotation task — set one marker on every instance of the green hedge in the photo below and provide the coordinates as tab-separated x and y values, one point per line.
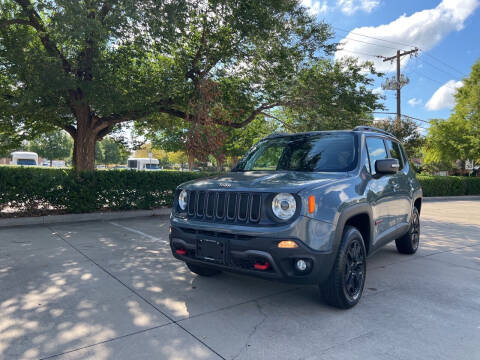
26	189
449	185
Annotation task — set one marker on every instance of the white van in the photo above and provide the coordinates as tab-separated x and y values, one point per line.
24	158
143	164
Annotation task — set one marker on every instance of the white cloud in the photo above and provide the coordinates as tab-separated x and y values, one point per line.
315	7
414	102
424	29
444	97
378	91
350	7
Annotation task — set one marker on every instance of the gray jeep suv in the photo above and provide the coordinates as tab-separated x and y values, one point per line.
304	208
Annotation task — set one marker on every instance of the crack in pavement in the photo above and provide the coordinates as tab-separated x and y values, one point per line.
254	330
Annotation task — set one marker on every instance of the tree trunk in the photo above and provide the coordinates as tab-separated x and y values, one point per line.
84	143
191	162
219	165
51	162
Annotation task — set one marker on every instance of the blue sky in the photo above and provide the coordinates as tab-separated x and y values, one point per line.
447	32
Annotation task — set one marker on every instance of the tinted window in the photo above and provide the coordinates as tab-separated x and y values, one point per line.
132	164
376	151
151	166
395	151
323	152
28	162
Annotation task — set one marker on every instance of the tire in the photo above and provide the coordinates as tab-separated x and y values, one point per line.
202	270
408	243
344	286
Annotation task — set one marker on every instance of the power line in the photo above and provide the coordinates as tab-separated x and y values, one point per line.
360	53
403	44
445	64
436	67
370	43
372	37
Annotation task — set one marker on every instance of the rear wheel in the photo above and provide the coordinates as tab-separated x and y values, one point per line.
408	243
202	270
344	286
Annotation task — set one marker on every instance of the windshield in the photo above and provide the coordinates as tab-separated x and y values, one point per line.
328	152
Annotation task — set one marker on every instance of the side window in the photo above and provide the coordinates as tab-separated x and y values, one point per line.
367	161
376	151
395	152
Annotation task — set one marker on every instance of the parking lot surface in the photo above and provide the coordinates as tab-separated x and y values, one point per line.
112	290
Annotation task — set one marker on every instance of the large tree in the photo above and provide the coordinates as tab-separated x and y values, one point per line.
85	66
458	137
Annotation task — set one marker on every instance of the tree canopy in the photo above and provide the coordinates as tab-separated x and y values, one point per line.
86	66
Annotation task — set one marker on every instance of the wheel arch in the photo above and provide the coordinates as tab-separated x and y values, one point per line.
359	216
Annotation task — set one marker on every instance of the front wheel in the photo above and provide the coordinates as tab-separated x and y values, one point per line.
408	243
344	286
202	270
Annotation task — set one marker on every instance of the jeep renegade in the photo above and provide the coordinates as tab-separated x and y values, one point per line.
304	208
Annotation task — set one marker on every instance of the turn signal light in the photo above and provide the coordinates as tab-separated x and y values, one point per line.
287	244
311	204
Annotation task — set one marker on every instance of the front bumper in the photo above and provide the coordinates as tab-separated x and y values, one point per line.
244	250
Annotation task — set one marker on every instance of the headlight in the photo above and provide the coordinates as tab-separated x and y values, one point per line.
284	206
182	200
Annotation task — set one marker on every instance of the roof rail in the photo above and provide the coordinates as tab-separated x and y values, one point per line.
374	129
275	134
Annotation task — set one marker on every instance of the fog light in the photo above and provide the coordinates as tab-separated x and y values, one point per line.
301	265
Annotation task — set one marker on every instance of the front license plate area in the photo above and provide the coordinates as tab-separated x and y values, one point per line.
211	250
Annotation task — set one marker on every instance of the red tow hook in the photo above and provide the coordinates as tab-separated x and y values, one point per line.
181	252
263	266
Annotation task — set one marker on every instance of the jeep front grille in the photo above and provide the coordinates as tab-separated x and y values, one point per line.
224	206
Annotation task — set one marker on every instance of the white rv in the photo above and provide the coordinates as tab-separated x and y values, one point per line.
24	158
143	164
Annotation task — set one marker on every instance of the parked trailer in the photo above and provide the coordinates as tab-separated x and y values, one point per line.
24	158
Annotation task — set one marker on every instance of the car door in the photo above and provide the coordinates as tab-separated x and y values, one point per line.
401	186
380	193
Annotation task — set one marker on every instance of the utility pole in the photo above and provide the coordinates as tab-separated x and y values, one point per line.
400	81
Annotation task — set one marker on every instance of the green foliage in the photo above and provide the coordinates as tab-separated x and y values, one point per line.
407	132
449	185
330	96
62	189
108	151
56	145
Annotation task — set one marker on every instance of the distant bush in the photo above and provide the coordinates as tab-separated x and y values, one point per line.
25	189
449	185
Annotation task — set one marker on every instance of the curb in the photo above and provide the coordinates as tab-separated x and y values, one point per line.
452	198
75	218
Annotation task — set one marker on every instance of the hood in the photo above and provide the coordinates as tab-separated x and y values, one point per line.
279	181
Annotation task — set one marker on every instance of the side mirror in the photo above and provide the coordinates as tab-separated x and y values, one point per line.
387	166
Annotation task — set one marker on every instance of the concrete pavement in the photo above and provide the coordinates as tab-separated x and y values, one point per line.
112	290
